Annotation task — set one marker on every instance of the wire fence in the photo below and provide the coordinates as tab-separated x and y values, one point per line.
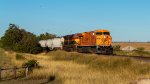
13	73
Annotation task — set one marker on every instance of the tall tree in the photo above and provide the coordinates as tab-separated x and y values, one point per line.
11	37
20	40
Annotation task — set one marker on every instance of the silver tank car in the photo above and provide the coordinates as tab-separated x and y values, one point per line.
43	43
55	43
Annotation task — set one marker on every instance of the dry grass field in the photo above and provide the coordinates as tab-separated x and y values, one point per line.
145	45
77	68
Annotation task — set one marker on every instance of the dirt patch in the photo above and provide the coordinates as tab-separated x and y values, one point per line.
134	44
142	81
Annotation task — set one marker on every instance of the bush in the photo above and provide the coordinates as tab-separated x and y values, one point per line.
116	48
31	64
140	49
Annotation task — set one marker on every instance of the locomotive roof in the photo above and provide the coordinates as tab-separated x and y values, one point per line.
79	34
102	30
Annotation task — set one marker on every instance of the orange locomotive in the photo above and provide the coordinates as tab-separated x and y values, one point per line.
98	41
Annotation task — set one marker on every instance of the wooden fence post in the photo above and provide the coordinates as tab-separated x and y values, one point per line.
0	73
15	71
27	71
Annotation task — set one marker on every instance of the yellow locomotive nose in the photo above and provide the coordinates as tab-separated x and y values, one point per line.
107	40
103	38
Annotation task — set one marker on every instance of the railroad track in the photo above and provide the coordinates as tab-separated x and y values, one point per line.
142	58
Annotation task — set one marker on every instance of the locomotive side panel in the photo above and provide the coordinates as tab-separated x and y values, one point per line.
88	39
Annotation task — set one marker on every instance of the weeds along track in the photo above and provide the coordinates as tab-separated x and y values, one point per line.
137	57
140	57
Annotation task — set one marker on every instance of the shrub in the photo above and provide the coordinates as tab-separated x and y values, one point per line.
140	49
116	48
31	64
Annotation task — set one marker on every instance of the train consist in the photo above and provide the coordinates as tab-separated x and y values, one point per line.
98	41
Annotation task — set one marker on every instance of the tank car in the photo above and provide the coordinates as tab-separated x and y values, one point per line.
52	44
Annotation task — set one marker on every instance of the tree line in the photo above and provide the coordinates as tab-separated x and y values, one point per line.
20	40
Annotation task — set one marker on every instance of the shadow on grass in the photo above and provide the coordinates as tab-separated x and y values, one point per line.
52	80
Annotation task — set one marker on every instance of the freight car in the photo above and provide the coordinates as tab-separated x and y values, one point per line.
52	44
98	41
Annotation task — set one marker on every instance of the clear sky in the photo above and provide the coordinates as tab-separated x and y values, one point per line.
126	19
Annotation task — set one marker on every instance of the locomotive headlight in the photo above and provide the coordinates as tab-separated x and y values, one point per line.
104	36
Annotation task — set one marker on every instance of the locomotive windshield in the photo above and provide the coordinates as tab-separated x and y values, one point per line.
100	33
106	33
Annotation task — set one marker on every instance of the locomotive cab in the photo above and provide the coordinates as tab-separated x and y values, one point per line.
104	42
